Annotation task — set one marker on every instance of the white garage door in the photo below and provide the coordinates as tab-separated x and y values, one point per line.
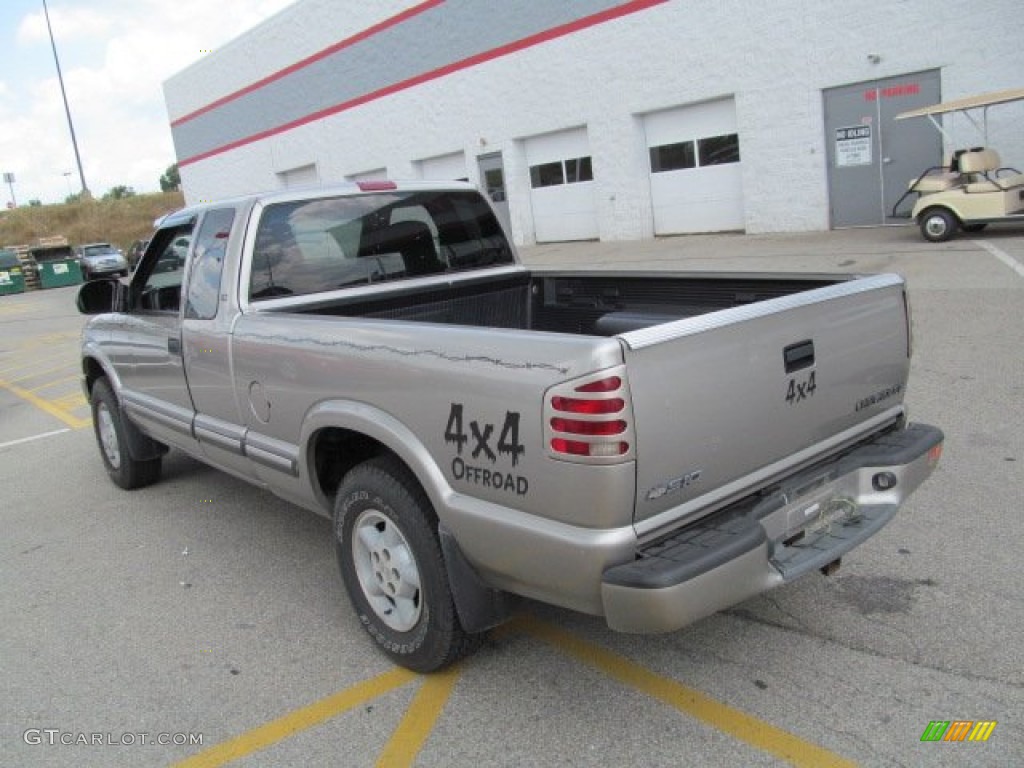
444	167
298	177
377	174
696	183
562	186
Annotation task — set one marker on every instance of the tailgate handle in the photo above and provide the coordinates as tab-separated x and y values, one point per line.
799	356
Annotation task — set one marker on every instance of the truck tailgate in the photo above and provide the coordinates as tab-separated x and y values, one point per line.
725	402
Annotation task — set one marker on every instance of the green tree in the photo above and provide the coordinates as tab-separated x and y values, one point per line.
171	180
120	192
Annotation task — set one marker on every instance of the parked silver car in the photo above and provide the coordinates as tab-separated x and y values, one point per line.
101	260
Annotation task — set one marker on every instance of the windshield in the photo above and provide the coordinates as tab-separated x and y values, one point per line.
103	249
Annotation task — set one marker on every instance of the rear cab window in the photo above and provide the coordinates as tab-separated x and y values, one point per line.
323	244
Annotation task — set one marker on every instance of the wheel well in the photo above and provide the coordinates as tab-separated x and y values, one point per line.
92	371
932	208
335	451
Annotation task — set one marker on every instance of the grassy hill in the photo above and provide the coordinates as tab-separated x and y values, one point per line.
111	221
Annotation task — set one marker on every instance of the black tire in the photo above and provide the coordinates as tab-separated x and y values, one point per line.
974	227
390	558
938	225
108	426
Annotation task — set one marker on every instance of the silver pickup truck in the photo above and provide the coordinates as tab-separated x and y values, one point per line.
646	447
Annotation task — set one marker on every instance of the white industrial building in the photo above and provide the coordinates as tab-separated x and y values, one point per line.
605	119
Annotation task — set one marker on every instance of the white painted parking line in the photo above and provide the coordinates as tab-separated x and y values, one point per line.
34	437
1002	255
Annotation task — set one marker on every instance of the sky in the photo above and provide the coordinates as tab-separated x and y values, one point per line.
115	56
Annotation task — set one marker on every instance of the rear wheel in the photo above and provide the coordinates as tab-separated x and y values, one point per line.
938	225
107	423
390	559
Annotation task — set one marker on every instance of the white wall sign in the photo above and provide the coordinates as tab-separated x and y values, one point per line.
853	146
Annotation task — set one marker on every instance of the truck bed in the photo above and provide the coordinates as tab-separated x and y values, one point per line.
595	304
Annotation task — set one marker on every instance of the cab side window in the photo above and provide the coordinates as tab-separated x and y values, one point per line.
157	283
208	264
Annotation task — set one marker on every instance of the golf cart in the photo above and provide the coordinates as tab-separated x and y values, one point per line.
975	189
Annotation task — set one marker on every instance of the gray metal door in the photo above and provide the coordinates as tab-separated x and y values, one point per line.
492	181
871	157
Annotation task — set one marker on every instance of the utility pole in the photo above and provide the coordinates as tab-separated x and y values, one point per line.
67	110
9	181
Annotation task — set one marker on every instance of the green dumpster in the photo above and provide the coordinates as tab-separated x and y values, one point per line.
12	279
57	267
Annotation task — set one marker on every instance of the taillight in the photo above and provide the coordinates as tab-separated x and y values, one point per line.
589	420
578	405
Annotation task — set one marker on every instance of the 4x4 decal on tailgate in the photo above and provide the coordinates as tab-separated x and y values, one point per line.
801	389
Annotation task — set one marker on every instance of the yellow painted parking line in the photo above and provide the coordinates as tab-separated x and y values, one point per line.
408	739
68	402
22	309
67	355
49	384
50	338
746	728
66	365
301	719
45	405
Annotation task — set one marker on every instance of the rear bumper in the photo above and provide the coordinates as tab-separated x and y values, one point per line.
811	520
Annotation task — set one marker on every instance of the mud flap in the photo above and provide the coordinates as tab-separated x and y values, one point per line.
479	607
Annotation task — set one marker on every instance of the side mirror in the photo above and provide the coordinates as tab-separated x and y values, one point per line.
99	296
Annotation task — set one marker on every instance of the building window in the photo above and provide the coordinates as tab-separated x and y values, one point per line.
546	175
572	171
673	157
719	150
578	169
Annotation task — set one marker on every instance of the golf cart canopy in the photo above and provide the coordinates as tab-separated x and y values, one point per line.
965	105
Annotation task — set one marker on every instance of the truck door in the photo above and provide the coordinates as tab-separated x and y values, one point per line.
148	340
206	338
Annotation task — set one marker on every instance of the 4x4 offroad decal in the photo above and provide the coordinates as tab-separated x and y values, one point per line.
480	443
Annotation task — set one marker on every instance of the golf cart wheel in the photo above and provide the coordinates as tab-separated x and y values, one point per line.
938	225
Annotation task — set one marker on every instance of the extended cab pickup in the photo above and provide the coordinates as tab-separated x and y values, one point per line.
647	447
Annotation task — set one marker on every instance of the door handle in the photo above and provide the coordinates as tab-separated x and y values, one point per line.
174	346
798	356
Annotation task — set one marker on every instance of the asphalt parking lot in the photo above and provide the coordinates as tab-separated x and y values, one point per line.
202	622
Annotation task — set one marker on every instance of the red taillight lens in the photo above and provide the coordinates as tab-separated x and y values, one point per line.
610	384
576	405
572	447
600	423
576	427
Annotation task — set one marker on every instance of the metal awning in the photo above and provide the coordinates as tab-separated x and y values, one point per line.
970	102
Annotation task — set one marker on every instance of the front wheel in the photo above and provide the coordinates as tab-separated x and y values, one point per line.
938	225
390	559
126	472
